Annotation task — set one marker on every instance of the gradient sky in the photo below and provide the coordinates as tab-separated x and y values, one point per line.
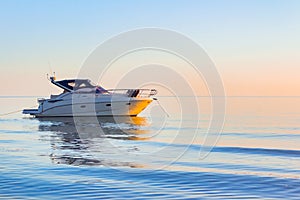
255	44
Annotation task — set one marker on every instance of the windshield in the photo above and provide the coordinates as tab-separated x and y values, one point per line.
79	84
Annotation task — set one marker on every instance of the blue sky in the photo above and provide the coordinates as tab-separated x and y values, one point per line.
249	40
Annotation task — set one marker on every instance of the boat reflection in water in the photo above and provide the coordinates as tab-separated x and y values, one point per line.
94	141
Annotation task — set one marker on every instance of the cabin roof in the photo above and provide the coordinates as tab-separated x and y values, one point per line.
73	84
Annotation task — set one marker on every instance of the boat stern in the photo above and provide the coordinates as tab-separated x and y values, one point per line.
35	111
31	111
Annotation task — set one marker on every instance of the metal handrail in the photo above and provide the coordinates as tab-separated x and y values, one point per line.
133	92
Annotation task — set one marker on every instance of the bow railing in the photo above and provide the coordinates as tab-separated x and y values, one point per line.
143	93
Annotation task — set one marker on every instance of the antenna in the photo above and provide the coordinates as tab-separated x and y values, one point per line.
50	68
52	74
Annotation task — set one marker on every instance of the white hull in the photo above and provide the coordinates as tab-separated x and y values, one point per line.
97	109
103	106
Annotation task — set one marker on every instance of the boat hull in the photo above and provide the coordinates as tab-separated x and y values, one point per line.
122	107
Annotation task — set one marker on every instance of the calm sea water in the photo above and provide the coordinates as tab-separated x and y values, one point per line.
257	156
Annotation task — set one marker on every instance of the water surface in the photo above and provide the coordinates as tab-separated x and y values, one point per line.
152	156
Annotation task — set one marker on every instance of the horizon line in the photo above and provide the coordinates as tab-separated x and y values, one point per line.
230	96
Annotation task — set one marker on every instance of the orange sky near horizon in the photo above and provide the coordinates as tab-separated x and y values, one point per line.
240	78
237	82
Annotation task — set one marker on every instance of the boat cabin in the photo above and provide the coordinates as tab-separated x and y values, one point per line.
78	85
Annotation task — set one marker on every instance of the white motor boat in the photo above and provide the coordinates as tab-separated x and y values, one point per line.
83	98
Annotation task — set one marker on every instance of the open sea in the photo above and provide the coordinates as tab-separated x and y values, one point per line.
155	155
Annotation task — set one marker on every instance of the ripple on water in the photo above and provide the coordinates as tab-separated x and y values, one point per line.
71	182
